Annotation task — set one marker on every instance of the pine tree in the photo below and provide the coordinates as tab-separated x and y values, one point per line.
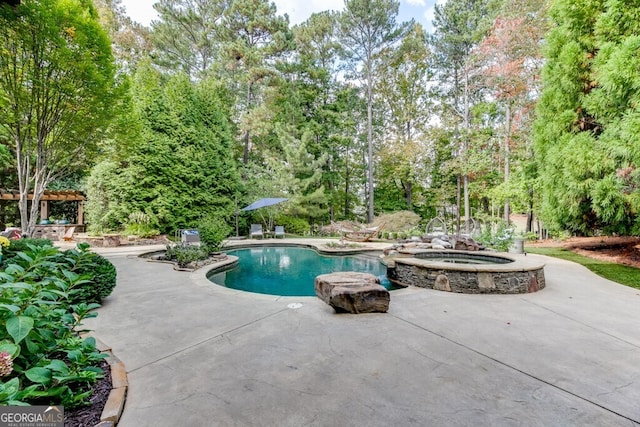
368	27
587	127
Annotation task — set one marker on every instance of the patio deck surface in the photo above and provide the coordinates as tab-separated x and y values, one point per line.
198	354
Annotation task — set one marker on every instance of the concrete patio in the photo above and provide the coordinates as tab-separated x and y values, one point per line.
198	354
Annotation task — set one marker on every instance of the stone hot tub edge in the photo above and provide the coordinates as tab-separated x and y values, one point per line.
513	276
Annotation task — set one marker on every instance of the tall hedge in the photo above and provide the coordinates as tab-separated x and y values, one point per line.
179	167
588	119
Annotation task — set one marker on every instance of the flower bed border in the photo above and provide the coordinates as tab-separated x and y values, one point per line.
114	406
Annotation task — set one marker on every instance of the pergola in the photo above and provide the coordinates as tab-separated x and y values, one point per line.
49	196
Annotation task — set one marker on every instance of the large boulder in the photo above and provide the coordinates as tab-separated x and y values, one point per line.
462	243
440	243
352	292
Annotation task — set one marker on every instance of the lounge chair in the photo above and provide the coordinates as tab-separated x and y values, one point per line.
68	236
12	233
279	231
256	231
359	234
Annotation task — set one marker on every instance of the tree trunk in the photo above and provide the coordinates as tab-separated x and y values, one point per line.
530	213
458	205
467	132
408	194
370	144
347	183
247	136
507	161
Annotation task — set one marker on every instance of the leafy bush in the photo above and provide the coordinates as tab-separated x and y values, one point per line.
101	274
213	231
500	239
139	224
43	359
294	225
398	221
183	255
21	245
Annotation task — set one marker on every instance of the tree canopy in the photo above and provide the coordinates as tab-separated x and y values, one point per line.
526	106
57	82
587	125
179	168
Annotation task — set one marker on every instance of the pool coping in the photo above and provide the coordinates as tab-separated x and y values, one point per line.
519	264
243	244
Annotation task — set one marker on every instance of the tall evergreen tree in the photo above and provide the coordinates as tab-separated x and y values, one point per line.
300	175
253	36
181	165
459	27
588	122
187	35
326	106
368	27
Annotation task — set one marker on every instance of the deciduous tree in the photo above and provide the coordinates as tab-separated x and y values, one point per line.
57	76
510	57
402	85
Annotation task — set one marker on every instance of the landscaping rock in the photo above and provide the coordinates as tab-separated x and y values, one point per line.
440	243
352	292
462	243
442	283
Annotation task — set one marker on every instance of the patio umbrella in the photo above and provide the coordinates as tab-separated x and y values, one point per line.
263	203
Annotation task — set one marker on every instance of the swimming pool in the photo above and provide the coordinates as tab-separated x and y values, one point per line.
289	270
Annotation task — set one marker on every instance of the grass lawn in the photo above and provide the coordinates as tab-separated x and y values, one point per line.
629	276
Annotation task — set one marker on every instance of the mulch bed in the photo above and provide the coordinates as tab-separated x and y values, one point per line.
89	416
621	250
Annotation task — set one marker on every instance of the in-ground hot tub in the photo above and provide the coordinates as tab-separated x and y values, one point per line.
467	272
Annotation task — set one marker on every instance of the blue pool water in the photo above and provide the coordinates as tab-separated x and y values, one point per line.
290	271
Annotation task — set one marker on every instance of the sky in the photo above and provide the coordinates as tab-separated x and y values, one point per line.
299	10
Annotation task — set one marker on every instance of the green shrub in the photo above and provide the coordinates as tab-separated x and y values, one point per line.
213	231
21	245
101	274
294	225
183	255
44	360
500	239
140	224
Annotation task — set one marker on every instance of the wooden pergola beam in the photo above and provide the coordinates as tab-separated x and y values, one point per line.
49	195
